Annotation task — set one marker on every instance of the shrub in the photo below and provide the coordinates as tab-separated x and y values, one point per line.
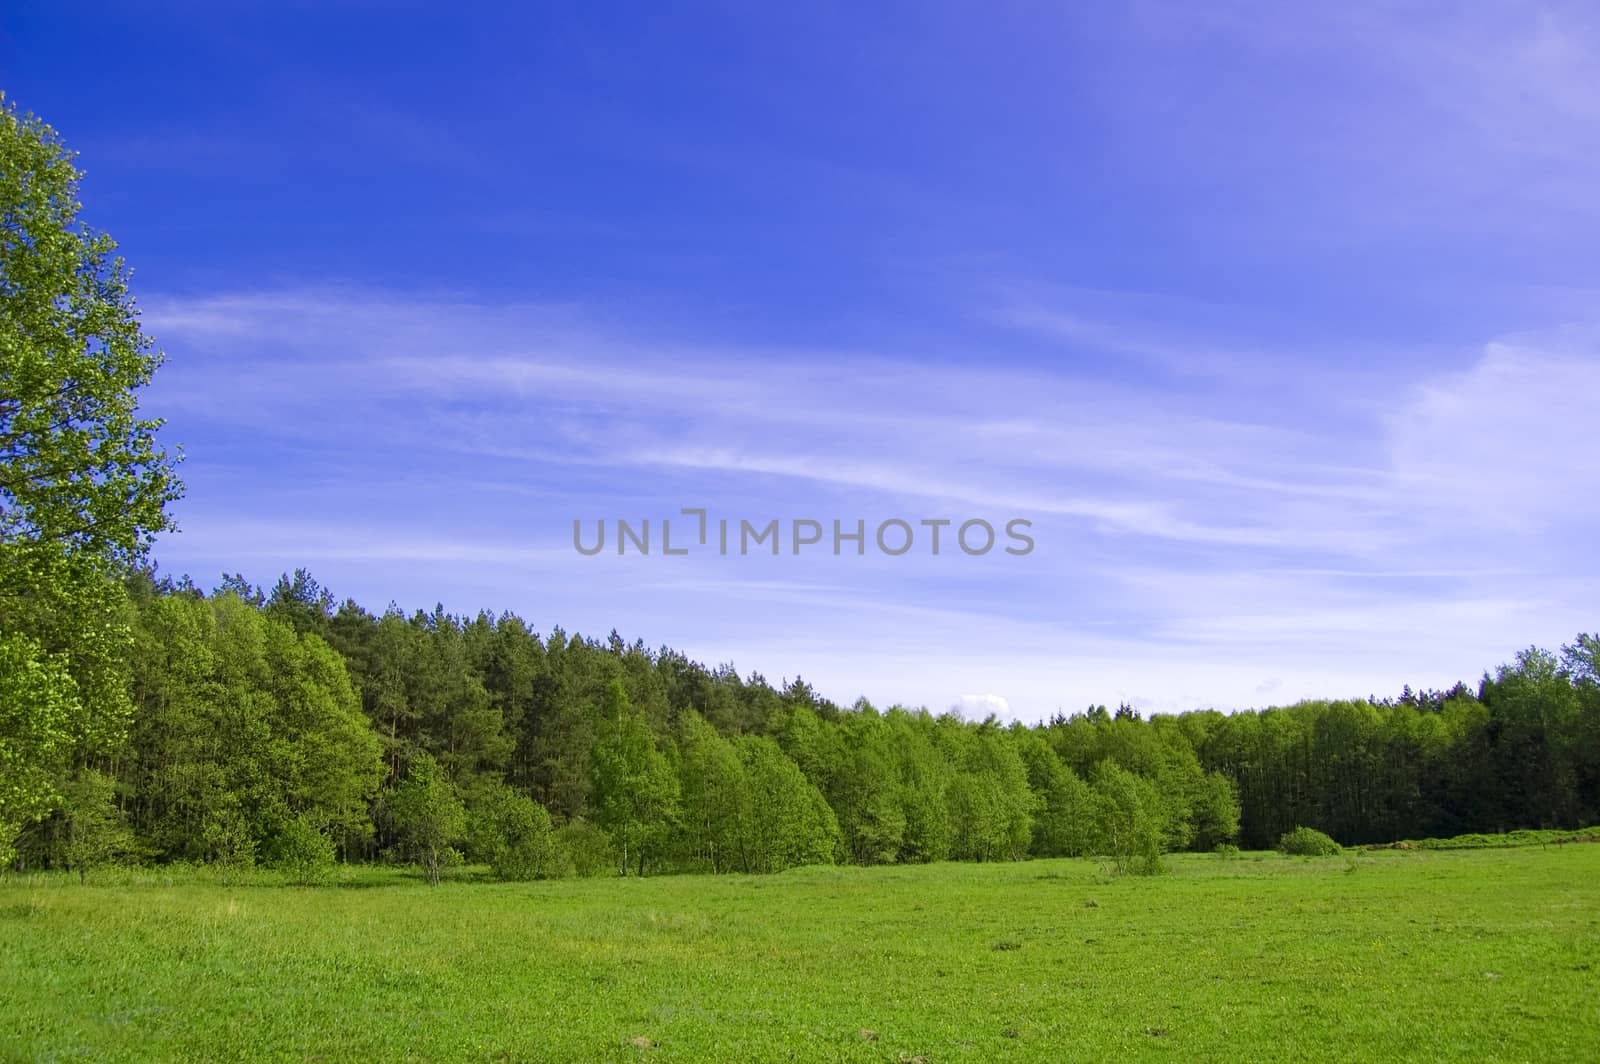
586	849
530	851
303	852
1226	850
1307	842
227	841
512	834
537	858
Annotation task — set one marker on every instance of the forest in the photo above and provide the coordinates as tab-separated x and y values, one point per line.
278	727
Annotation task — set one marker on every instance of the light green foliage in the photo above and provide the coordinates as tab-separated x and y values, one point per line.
925	778
427	815
330	758
247	716
1064	817
83	486
817	748
991	804
79	469
1307	842
784	820
1198	808
73	607
227	839
533	852
1214	812
512	834
1130	819
585	849
864	790
1464	956
37	698
303	851
242	725
94	832
713	791
635	789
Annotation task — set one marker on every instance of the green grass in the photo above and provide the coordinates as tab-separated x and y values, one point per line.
1480	955
1525	837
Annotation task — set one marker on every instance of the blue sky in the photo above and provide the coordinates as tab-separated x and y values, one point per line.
1279	322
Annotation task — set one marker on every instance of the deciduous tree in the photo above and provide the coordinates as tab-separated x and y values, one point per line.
427	814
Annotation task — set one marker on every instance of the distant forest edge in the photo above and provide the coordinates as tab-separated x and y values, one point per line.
281	728
144	721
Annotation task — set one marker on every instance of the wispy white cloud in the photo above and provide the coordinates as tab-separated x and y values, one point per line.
1509	441
1185	551
297	543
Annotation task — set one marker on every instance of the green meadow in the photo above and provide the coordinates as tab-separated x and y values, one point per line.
1422	955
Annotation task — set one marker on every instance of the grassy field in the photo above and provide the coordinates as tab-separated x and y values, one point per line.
1480	955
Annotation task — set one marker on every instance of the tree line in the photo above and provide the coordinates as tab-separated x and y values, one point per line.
279	727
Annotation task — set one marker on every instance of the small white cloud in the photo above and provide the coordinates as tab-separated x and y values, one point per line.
983	705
